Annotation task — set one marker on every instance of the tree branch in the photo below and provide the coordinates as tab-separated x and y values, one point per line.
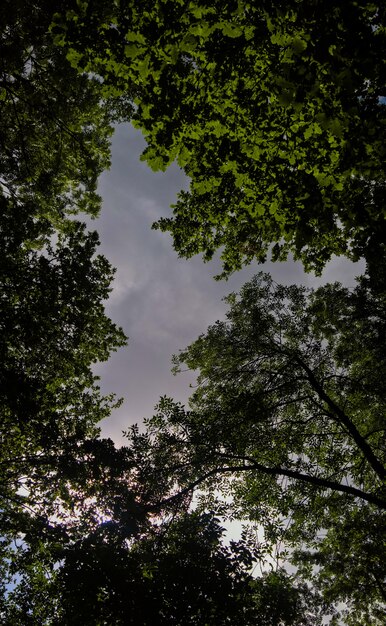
340	416
274	471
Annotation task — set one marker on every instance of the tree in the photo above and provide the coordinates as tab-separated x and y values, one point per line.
279	122
54	133
176	572
179	574
94	494
53	328
276	111
55	128
288	422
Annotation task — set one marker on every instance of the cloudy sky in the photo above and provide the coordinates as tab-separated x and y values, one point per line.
162	302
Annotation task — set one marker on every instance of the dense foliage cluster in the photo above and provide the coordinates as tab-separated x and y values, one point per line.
276	112
288	424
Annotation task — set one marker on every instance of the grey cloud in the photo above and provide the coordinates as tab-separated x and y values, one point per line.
161	301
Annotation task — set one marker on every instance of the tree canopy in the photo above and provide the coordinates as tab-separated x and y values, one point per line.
55	128
287	422
54	135
276	112
76	542
53	329
178	572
